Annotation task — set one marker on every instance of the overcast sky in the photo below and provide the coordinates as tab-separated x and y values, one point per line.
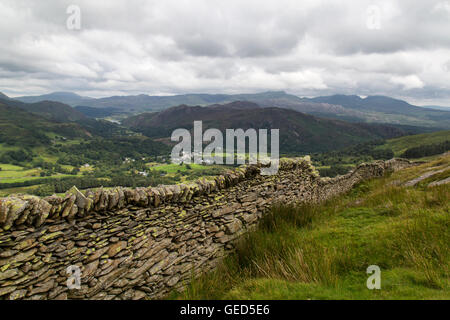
308	48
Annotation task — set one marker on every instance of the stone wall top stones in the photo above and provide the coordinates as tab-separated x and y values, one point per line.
21	211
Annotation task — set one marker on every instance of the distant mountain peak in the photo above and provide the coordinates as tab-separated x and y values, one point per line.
65	97
4	96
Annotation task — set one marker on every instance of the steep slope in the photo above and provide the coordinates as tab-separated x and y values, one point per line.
298	132
4	96
20	127
54	111
400	145
64	114
51	110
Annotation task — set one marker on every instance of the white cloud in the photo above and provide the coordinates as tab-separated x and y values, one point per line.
443	7
408	82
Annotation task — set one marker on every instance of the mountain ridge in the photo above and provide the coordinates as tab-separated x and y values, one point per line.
65	97
51	110
372	109
34	123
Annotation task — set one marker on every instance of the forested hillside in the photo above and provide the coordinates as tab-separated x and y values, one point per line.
299	133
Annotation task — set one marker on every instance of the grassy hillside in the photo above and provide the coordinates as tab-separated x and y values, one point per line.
58	116
54	111
399	145
323	251
50	110
420	147
19	127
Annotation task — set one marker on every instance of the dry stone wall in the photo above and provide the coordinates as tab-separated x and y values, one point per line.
144	242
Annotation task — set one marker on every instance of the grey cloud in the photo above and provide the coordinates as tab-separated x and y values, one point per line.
310	47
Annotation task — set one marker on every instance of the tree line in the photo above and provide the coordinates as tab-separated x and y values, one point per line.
427	150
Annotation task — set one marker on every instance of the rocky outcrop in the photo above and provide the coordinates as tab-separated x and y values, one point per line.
425	176
144	242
